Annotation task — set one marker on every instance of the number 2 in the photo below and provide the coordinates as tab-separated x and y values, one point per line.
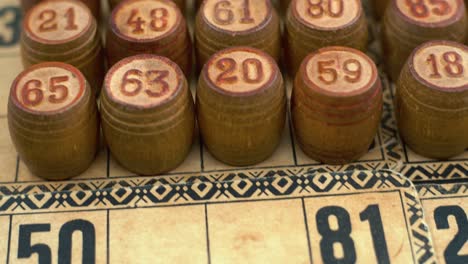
441	215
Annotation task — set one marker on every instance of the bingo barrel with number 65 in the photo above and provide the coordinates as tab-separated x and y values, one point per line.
53	120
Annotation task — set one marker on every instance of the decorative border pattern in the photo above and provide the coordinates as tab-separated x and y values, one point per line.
236	187
441	191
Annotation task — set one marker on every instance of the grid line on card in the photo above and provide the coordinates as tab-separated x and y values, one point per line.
207	229
309	246
108	238
9	240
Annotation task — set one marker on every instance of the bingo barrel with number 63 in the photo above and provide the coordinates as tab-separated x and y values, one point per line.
53	120
432	100
147	112
336	104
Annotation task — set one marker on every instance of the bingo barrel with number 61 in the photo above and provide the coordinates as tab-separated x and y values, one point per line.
229	23
53	120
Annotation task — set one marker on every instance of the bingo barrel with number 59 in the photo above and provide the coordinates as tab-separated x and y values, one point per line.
336	104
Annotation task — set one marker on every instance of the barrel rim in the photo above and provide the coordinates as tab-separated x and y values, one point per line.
81	79
313	86
293	10
262	25
177	90
180	21
35	37
268	84
426	83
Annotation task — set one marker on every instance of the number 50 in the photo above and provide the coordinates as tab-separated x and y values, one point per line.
26	249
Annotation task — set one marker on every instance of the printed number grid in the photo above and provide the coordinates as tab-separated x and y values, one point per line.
188	214
387	152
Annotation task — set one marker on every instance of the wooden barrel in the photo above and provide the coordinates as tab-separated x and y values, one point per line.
241	105
149	27
223	24
336	104
432	100
311	26
53	120
408	25
64	31
147	113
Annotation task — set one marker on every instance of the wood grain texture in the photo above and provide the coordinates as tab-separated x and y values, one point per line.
80	47
432	116
335	122
60	143
147	134
241	124
305	33
403	30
